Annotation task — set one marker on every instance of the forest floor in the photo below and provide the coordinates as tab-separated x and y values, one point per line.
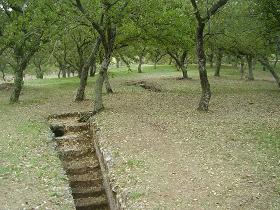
165	154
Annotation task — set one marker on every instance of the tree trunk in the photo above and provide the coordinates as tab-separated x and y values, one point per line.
235	62
63	72
18	83
205	85
84	73
250	66
98	102
242	64
170	61
80	96
68	73
265	62
155	64
80	72
93	69
184	71
108	86
39	72
140	64
211	60
219	63
126	62
276	60
180	62
117	63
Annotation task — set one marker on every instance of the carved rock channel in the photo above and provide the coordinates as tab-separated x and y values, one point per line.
76	150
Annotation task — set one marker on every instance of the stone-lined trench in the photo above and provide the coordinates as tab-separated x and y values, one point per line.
82	162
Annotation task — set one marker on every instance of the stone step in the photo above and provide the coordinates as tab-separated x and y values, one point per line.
76	127
76	152
92	175
81	168
72	139
92	203
89	183
86	192
80	163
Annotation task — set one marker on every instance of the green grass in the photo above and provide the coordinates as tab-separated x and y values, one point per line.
135	195
270	141
135	163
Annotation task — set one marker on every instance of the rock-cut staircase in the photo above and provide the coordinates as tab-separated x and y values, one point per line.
77	153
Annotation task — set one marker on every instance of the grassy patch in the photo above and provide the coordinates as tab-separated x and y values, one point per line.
270	141
135	163
135	195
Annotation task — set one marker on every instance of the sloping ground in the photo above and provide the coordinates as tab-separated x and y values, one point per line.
166	155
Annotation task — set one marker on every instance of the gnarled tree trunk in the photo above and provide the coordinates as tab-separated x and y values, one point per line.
18	81
204	82
180	62
98	102
84	73
205	85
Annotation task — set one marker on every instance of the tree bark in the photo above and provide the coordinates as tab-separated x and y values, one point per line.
155	64
92	71
108	86
180	62
80	96
265	62
205	85
219	63
98	102
39	72
68	73
211	59
140	63
204	82
117	63
63	71
250	66
242	64
18	82
126	62
276	60
184	72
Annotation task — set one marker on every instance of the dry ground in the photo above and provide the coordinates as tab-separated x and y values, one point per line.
165	154
169	156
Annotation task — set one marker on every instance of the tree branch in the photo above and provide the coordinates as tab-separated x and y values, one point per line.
196	11
214	9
